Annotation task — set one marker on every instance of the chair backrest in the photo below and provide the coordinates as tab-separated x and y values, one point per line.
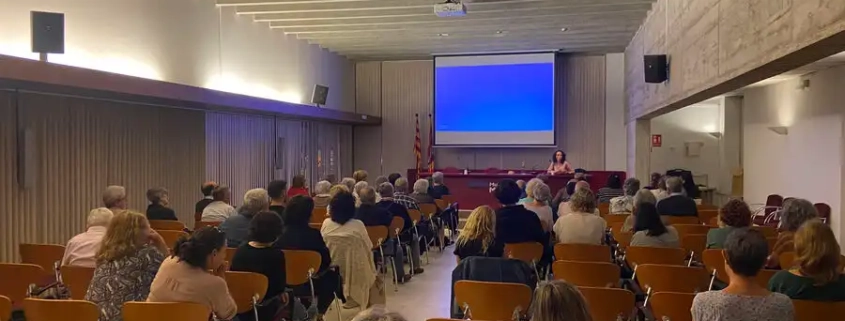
694	243
636	255
713	259
77	279
300	265
449	199
786	260
146	311
171	236
416	215
5	308
65	310
771	242
817	310
201	224
486	301
688	229
428	209
616	218
378	235
705	216
441	204
530	252
622	238
319	214
244	286
767	231
166	225
43	255
672	306
16	278
764	276
594	274
672	278
396	225
672	220
603	208
230	253
582	252
608	304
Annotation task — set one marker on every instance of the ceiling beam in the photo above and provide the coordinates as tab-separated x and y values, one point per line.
528	30
409	55
377	5
433	48
233	3
505	38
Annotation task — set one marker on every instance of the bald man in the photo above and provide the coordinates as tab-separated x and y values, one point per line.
206	189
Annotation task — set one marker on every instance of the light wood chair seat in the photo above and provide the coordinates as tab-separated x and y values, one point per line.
689	229
636	255
65	310
246	288
694	244
529	252
319	214
77	279
817	310
607	304
146	311
671	306
583	252
591	274
492	300
616	218
5	308
672	278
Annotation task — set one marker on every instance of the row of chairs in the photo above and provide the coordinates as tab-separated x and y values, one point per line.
78	310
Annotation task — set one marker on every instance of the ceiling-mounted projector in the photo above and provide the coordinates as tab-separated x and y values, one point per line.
450	8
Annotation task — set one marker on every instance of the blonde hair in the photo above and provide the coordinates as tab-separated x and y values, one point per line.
583	201
559	301
481	225
817	252
337	189
121	236
360	175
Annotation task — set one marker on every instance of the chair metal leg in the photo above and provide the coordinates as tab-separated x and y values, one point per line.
409	255
395	276
383	267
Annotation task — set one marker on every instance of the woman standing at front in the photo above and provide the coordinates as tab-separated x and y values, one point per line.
559	164
127	261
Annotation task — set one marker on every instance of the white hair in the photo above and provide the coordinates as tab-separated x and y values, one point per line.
529	187
401	185
349	182
100	216
421	186
360	186
437	177
113	195
674	184
542	193
378	313
322	187
255	200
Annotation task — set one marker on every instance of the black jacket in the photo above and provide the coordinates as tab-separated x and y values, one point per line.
516	224
303	237
159	212
373	215
677	205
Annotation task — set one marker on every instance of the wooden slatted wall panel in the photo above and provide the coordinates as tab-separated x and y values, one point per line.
407	88
582	86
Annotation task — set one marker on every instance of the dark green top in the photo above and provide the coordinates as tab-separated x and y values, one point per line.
716	236
803	288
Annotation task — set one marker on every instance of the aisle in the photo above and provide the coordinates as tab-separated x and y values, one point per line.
426	295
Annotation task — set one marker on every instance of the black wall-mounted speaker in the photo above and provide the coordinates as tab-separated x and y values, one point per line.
656	68
48	32
321	93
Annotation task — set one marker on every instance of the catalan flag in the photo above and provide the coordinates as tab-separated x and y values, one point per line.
418	147
430	144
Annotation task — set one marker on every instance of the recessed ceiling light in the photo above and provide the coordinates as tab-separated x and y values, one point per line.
443	34
564	29
499	32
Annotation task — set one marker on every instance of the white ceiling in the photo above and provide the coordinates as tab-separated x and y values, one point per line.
822	64
409	29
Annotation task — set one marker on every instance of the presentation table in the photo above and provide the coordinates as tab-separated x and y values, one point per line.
476	187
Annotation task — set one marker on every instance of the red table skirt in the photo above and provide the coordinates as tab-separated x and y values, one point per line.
475	188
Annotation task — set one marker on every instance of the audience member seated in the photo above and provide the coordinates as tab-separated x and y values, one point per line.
529	190
236	227
360	175
128	259
158	208
207	188
743	299
321	194
114	198
654	181
795	212
478	238
378	313
82	249
379	180
677	204
514	223
559	301
612	189
643	196
650	231
816	274
406	236
277	191
373	215
420	193
331	178
356	189
393	177
260	256
351	250
565	207
195	273
297	235
660	190
521	184
400	195
540	206
437	189
582	226
625	204
349	182
219	210
559	165
297	187
734	215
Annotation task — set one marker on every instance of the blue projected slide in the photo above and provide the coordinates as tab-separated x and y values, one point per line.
495	100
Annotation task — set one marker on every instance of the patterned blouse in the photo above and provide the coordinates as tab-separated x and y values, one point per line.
720	306
123	280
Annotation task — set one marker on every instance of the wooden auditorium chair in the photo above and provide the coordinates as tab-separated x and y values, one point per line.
592	274
166	225
817	310
528	252
609	304
247	289
583	252
182	311
171	236
671	306
77	279
64	310
15	279
44	255
671	278
5	308
485	300
636	255
694	244
378	235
